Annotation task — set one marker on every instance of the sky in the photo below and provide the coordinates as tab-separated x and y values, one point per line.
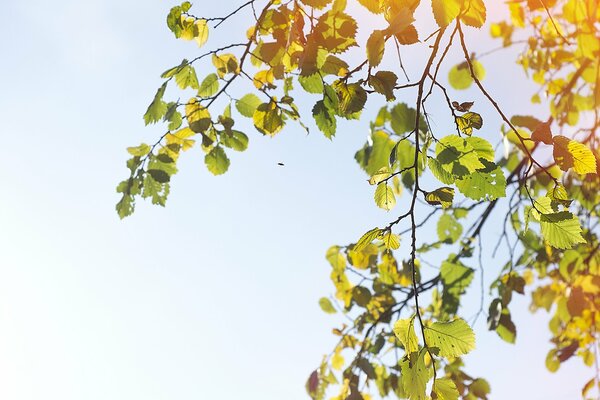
214	296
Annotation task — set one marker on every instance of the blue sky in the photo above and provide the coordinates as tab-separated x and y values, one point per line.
214	296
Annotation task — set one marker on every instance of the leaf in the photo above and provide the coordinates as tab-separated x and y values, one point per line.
445	389
384	82
159	175
415	376
216	161
372	5
209	86
403	118
460	78
442	196
366	239
384	197
482	147
268	118
201	32
235	140
506	328
197	116
158	108
248	104
326	305
542	133
439	172
474	13
226	64
489	183
468	121
391	241
140	150
480	388
186	77
379	176
526	121
572	154
325	119
561	230
452	339
495	311
375	47
352	97
445	11
448	229
457	156
404	330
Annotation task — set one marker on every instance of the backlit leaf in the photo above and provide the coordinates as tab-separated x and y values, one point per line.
452	339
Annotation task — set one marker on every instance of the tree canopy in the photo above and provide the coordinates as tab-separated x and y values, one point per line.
405	334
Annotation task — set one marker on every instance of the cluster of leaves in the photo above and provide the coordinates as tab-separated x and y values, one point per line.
547	177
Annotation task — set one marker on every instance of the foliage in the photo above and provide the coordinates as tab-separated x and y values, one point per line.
547	177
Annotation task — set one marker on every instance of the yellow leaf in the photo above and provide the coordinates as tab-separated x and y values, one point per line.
572	154
201	32
337	360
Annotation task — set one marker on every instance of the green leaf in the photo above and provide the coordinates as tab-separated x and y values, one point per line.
352	97
248	104
456	278
235	140
457	156
159	175
384	197
158	108
488	183
216	161
452	339
140	150
482	147
326	305
404	330
445	11
448	229
459	76
376	156
480	388
506	328
186	77
312	83
439	172
384	82
403	118
325	119
442	196
445	389
415	376
366	239
375	47
209	86
561	230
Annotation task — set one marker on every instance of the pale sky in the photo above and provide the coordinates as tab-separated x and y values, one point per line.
214	297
